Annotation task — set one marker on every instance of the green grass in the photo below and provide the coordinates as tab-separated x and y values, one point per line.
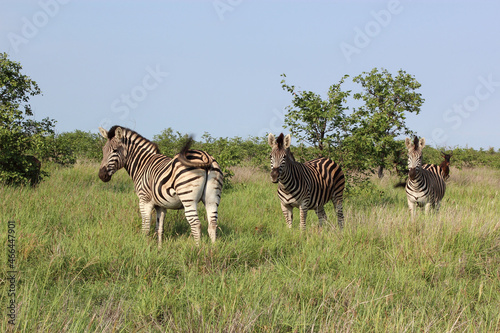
84	266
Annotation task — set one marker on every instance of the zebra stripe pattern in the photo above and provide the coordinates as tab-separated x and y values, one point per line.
308	185
163	183
425	185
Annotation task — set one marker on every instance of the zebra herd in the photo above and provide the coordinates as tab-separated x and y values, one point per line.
192	176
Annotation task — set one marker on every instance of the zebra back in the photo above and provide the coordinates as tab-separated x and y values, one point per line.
328	178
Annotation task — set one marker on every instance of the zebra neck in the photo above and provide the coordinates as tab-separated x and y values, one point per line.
136	157
288	177
419	178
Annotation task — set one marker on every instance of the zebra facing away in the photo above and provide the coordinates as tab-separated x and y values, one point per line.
425	184
164	183
308	185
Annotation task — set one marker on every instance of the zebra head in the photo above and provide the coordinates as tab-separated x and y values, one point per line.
279	151
114	152
414	156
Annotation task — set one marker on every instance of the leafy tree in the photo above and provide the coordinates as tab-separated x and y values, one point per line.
381	119
170	142
316	121
19	134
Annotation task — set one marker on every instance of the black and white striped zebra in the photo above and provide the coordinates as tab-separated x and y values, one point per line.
425	185
164	183
308	185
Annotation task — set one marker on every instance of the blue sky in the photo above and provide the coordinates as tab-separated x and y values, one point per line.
214	66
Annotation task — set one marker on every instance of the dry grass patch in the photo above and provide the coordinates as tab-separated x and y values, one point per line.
249	174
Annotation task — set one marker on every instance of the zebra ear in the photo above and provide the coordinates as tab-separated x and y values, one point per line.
103	132
287	142
408	143
271	139
421	144
119	133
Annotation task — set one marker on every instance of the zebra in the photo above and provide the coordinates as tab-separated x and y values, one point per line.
308	185
164	183
425	184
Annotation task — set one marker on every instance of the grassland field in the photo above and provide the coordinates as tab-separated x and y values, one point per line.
83	265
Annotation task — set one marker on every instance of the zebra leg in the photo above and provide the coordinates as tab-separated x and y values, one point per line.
191	211
438	205
428	206
146	208
303	216
412	205
320	211
160	217
340	214
288	213
211	208
211	200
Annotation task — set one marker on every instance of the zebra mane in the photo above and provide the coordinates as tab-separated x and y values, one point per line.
280	140
112	132
415	142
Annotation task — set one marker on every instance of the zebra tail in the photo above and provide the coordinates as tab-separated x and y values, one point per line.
189	163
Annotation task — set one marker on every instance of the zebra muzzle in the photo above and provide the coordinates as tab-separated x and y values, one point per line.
104	175
412	173
275	175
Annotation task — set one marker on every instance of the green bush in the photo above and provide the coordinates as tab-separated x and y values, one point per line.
20	134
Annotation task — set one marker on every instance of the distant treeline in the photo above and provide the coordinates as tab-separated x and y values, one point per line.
68	147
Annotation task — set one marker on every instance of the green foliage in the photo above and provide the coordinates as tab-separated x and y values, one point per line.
315	121
381	118
67	147
366	138
170	142
19	134
84	145
228	152
464	157
236	151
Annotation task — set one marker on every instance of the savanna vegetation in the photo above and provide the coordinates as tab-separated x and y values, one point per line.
82	264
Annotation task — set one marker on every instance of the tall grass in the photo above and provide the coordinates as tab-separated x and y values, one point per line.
84	266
